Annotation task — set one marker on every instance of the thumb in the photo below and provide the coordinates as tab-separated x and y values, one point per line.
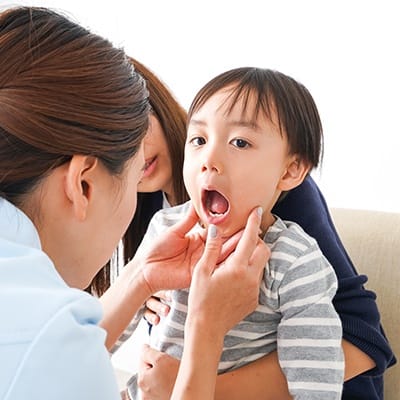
149	355
145	361
187	222
212	251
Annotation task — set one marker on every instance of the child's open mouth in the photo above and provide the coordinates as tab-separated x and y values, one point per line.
215	205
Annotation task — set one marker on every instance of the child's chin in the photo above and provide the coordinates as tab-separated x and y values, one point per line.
228	232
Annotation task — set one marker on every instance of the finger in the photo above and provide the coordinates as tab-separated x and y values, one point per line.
229	246
249	239
187	223
151	317
145	360
260	256
156	306
150	355
212	251
261	253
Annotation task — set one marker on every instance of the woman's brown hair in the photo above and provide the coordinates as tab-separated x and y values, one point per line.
63	91
172	118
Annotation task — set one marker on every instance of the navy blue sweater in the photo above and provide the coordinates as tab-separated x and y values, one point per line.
355	305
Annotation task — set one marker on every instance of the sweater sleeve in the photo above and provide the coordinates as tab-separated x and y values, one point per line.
355	305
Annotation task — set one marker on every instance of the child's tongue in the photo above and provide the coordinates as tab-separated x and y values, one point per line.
216	203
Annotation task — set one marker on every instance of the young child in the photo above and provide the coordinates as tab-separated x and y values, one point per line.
254	134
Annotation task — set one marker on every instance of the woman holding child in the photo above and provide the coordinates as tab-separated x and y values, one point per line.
365	346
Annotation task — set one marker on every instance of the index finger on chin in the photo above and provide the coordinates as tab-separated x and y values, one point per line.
249	239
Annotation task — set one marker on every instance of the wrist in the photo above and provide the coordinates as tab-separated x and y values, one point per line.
198	330
133	278
199	364
122	301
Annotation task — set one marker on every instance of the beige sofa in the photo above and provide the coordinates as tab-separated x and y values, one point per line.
372	239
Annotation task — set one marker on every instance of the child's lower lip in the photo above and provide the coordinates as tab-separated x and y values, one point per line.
214	219
150	167
209	217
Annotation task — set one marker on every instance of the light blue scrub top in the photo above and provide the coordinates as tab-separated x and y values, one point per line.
50	344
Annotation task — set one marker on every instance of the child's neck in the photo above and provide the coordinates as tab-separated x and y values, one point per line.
267	220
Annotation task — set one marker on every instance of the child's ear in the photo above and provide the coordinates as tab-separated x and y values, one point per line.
78	184
294	174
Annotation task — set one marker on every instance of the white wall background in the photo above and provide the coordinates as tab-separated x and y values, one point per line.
345	52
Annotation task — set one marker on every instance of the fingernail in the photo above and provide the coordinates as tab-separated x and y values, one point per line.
212	231
164	310
259	211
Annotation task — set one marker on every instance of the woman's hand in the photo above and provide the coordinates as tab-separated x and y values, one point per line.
168	263
156	308
224	293
156	374
219	297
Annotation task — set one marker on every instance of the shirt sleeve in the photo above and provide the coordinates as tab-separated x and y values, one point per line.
129	330
355	305
67	359
310	332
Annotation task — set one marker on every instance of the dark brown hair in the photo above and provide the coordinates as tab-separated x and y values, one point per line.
63	91
172	118
297	114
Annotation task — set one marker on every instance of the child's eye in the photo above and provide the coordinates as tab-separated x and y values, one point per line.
241	143
197	141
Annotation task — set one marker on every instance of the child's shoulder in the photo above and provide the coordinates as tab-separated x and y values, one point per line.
289	236
171	215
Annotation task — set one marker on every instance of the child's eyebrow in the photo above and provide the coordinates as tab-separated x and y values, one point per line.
231	123
244	124
196	122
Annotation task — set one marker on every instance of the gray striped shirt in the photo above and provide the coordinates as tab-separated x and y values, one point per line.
295	315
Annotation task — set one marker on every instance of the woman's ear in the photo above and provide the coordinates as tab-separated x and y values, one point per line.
294	174
79	183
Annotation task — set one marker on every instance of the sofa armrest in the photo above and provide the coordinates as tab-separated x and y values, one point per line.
372	240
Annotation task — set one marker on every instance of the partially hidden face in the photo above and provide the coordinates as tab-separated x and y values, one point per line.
95	208
233	163
158	168
118	205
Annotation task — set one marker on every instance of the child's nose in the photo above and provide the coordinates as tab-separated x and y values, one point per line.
212	162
